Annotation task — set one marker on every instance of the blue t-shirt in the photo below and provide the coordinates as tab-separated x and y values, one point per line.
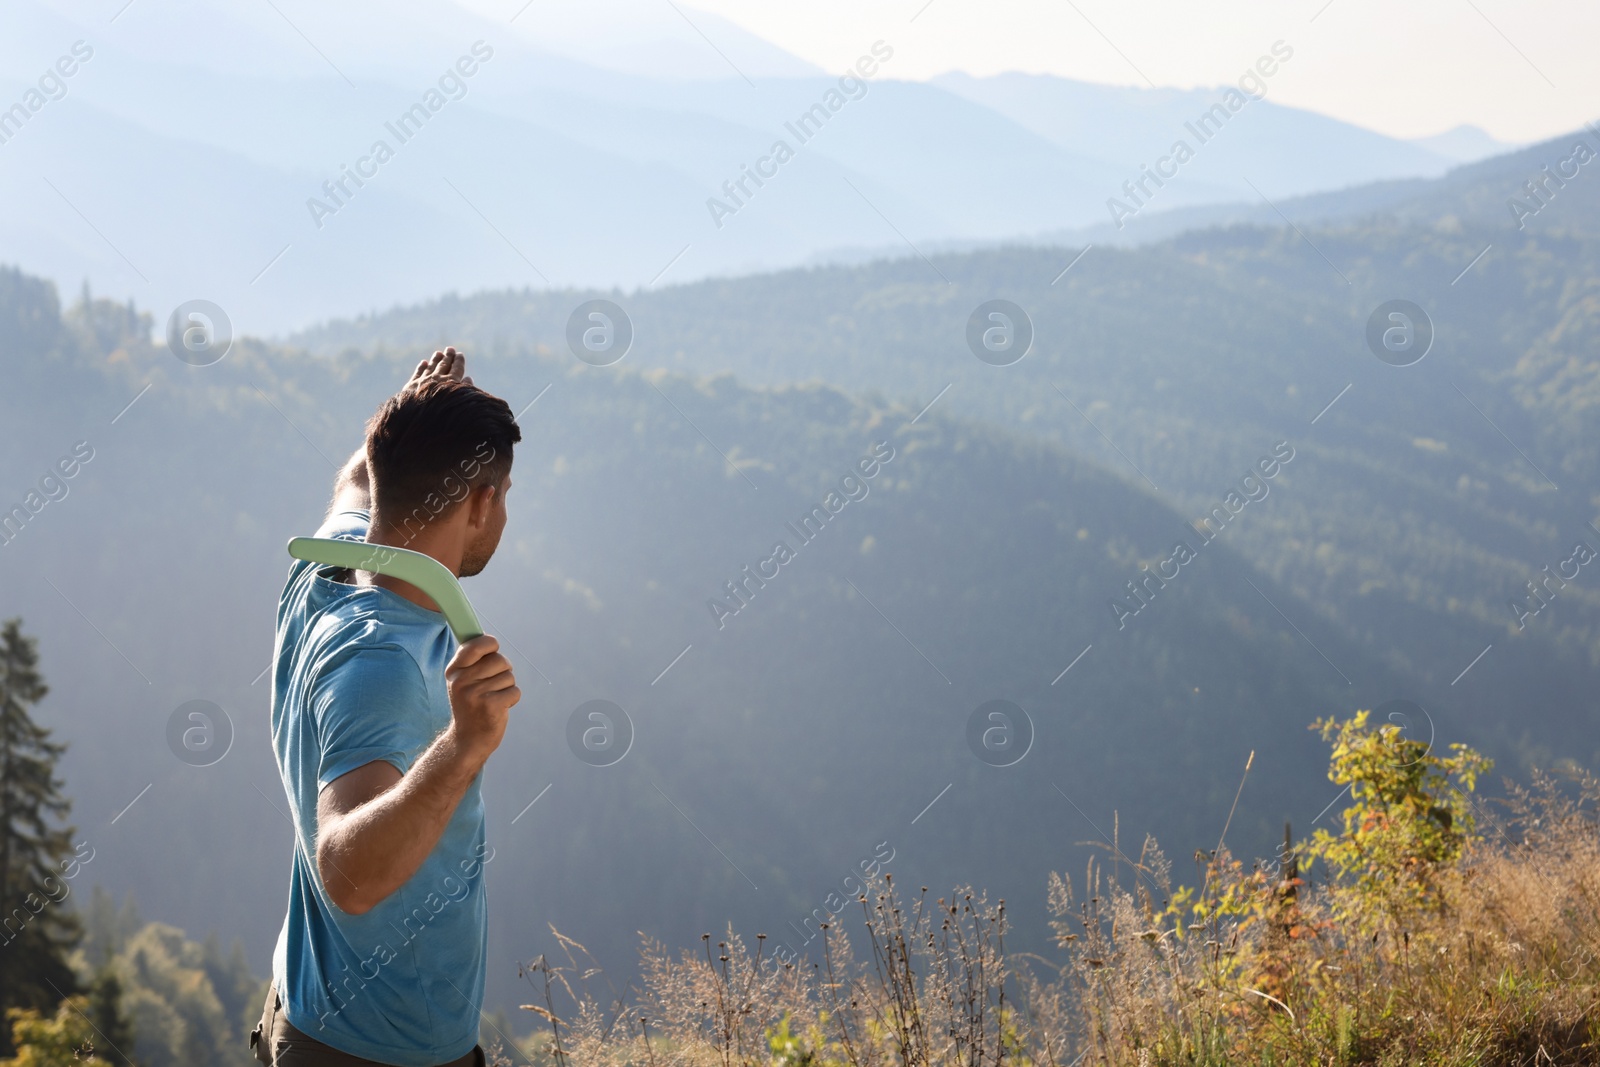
359	677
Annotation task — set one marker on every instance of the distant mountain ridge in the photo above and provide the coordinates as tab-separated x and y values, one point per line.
1465	144
1268	145
555	171
1482	194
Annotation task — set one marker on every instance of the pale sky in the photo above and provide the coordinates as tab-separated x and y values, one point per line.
1520	69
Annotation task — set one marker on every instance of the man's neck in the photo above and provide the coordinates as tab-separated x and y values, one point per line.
441	543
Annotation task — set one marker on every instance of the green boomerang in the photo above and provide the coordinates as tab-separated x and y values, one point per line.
424	572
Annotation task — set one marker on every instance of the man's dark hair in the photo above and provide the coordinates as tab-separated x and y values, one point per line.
429	445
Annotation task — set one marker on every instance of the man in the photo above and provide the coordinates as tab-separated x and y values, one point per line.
381	727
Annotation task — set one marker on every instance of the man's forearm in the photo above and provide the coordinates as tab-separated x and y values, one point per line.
368	853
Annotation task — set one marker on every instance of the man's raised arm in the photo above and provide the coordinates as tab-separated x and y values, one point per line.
352	488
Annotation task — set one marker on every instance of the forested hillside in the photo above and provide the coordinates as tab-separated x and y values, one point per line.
1199	513
1427	496
831	713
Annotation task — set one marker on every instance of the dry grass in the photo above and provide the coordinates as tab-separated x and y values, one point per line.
931	986
1504	974
1497	963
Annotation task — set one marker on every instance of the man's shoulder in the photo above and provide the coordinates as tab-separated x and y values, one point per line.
354	666
335	626
348	525
303	595
354	629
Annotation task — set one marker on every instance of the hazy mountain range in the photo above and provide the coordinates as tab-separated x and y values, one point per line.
181	160
1221	331
826	721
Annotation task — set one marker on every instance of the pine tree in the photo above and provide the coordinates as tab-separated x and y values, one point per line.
36	931
112	1028
240	992
107	929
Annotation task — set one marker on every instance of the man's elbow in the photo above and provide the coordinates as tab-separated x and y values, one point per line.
350	902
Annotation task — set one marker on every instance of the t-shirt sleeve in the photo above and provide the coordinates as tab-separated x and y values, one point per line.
369	707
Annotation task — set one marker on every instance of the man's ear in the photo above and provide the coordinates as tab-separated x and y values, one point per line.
480	504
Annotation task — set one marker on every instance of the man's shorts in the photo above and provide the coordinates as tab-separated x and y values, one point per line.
278	1044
